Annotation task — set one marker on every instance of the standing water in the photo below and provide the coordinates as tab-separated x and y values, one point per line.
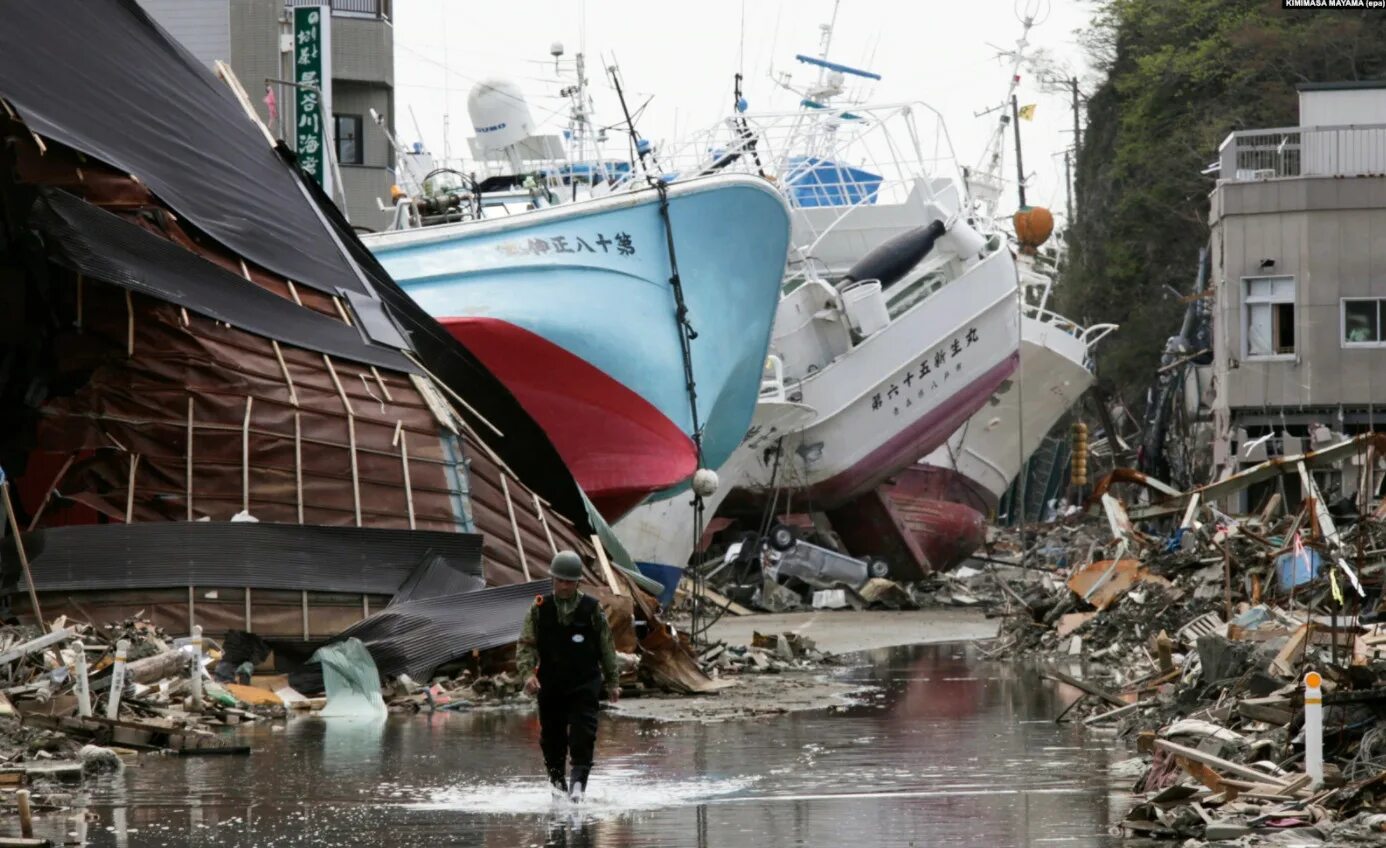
945	750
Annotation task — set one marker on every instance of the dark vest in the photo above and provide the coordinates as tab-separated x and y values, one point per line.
570	655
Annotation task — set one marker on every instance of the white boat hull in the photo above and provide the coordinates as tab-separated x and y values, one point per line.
990	448
661	533
897	395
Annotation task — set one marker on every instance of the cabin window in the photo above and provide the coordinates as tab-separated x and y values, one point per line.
1268	304
1363	324
349	143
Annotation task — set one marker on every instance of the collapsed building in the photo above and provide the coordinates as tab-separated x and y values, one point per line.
217	408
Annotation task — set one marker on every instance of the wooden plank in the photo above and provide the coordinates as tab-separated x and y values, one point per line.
188	471
544	521
355	468
606	566
1219	763
245	456
515	528
1084	686
686	587
43	642
19	547
130	489
1112	714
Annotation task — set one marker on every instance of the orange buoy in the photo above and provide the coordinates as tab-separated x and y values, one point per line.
1033	226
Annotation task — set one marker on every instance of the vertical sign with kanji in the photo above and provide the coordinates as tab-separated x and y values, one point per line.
313	96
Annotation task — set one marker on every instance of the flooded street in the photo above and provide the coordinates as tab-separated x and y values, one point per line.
944	750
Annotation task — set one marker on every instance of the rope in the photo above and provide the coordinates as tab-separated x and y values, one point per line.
686	336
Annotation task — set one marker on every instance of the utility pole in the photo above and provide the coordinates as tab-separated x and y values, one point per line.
1073	86
1019	165
1068	180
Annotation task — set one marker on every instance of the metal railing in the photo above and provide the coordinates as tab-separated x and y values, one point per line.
1340	151
353	8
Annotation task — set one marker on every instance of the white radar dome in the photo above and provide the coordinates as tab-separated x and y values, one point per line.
500	114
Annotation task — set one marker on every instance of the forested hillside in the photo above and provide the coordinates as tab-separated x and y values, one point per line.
1179	76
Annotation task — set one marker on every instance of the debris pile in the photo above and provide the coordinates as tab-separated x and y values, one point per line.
1242	654
767	654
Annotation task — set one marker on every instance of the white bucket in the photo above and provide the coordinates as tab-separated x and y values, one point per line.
866	307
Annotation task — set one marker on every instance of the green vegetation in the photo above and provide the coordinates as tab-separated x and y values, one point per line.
1179	76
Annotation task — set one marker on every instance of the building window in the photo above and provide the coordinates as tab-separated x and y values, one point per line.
1268	304
1363	324
349	146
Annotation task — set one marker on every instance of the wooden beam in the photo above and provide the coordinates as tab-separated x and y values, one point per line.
245	457
248	628
355	468
1219	763
284	367
606	565
130	324
515	527
1084	686
48	495
304	601
130	489
404	461
298	463
384	388
188	470
43	642
544	521
341	392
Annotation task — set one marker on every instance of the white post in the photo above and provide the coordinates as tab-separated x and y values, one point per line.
1313	728
26	818
83	684
117	680
197	668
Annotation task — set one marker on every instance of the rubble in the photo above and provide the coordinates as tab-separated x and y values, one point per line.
1203	637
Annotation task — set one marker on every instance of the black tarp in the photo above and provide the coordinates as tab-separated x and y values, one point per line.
105	247
102	77
355	560
415	637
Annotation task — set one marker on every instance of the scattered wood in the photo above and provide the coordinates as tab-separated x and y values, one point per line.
1218	763
1082	685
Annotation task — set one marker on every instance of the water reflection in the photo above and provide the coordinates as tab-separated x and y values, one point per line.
952	751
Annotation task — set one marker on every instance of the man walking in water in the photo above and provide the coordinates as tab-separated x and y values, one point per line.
566	657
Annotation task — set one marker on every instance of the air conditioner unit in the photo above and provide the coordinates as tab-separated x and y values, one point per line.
1263	174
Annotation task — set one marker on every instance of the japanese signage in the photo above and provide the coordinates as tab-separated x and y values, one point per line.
313	96
616	244
926	377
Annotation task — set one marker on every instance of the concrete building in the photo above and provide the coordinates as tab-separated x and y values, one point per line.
1299	274
254	37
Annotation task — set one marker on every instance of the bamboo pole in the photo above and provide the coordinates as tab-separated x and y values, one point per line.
245	457
544	521
298	463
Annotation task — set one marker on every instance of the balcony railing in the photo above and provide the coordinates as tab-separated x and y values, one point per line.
351	8
1345	151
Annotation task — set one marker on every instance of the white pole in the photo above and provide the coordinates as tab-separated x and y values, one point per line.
1313	728
197	668
83	684
117	680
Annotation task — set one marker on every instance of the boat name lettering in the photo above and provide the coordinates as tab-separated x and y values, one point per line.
926	376
621	244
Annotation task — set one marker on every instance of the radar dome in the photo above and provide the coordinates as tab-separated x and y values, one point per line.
500	114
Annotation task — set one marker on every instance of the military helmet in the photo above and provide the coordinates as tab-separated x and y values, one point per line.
566	565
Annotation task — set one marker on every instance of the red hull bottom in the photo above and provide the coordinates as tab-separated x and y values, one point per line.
618	445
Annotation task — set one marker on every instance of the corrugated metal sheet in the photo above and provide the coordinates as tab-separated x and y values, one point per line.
440	575
415	637
261	556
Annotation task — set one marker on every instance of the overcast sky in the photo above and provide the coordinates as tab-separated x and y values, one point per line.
684	54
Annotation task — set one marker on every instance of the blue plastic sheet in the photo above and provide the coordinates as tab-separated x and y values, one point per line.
1293	570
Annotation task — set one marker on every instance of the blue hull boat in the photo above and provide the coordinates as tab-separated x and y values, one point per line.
573	308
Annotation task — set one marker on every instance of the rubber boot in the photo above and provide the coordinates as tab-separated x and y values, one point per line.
577	782
556	781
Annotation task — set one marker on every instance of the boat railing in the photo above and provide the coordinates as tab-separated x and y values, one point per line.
772	379
1089	336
